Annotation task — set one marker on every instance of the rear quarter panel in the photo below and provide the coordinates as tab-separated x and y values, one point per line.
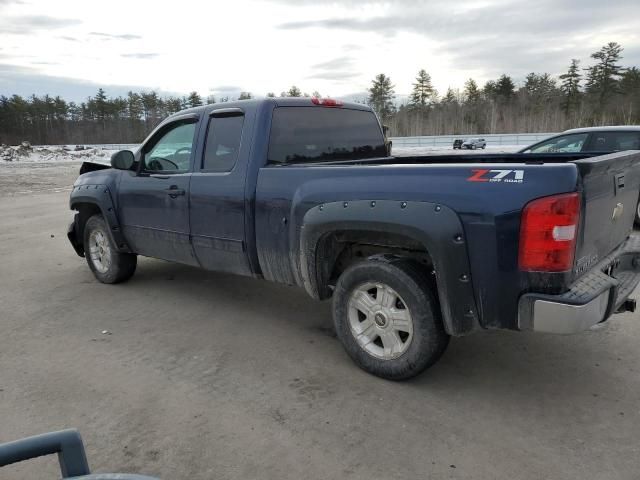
489	212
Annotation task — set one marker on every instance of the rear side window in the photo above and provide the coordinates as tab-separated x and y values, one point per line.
223	143
320	134
613	141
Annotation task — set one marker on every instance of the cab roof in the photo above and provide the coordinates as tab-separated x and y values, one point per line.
276	101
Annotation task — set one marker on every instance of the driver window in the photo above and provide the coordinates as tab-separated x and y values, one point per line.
171	153
566	143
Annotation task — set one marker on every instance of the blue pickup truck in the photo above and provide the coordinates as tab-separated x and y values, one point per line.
412	250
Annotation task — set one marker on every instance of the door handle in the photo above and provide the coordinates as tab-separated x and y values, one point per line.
173	191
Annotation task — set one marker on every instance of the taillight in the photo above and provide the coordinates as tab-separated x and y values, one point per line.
548	233
326	102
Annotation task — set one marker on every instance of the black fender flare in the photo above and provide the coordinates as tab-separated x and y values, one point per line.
435	226
100	196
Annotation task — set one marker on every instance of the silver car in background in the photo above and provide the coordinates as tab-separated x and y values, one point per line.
474	143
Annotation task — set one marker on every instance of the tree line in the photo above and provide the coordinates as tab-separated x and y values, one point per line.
603	93
100	119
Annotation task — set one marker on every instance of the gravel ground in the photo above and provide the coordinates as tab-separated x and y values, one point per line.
23	178
204	375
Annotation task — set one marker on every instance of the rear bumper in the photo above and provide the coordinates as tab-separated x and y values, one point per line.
593	298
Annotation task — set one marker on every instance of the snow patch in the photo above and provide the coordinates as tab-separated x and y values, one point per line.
25	153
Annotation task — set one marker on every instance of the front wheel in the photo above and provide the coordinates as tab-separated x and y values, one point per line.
107	264
388	319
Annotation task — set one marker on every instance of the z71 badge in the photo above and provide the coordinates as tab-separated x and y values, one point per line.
506	176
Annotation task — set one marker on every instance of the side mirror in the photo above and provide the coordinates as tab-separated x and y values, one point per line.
123	160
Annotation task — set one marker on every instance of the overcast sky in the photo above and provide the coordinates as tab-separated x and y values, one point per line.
70	47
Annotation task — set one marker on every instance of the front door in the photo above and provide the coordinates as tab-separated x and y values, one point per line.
153	203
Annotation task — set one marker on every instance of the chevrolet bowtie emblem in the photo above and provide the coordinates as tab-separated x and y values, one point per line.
617	211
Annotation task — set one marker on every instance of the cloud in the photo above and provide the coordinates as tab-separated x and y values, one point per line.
141	56
226	89
28	80
115	36
340	68
336	63
328	75
503	36
27	24
70	39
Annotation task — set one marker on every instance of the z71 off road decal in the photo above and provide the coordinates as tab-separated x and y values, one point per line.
507	176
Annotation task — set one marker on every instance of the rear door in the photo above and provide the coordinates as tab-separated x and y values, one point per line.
217	194
153	203
610	185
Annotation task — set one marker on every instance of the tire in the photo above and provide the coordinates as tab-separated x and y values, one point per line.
636	222
473	147
107	264
484	146
394	342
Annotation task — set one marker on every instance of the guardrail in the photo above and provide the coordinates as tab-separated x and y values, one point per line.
522	139
99	146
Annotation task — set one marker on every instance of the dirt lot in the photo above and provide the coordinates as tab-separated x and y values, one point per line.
207	376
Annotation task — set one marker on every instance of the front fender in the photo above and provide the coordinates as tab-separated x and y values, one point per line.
100	196
435	226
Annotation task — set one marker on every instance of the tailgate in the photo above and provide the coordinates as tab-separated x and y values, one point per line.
610	188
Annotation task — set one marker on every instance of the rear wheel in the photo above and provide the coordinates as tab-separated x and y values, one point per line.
388	319
107	264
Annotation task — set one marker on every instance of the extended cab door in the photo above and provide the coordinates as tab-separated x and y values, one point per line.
153	202
217	195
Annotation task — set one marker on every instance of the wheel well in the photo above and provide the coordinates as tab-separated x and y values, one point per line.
85	211
336	251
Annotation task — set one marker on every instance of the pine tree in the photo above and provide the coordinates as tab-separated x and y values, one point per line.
603	78
173	105
194	100
450	97
245	96
571	86
505	88
271	95
630	81
630	90
423	92
101	104
471	91
294	92
381	95
150	103
490	90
